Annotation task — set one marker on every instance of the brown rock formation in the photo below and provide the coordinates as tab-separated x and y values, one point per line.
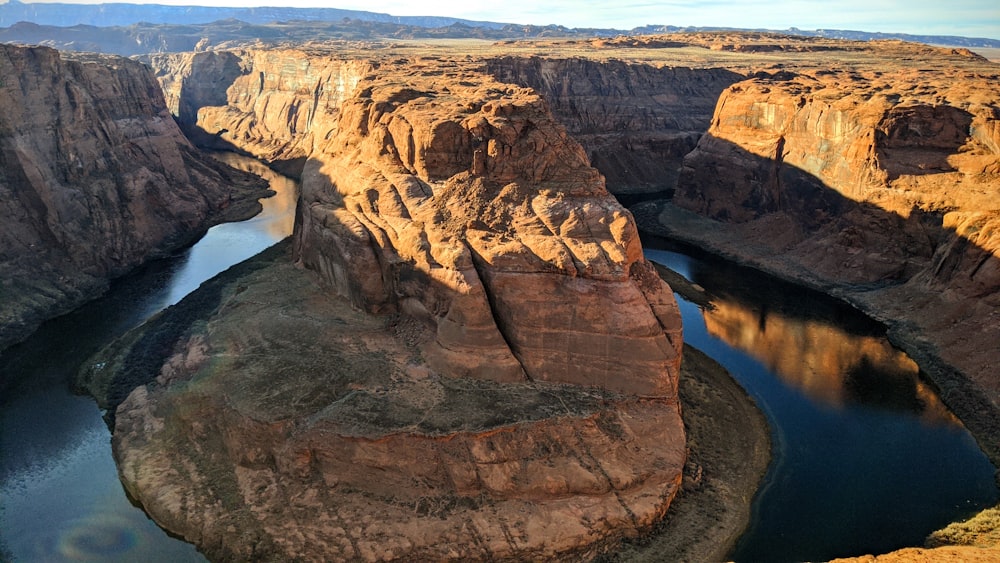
882	186
472	210
333	442
95	178
455	199
522	402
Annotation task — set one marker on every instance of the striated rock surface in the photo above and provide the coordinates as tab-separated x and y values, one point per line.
95	178
881	186
475	362
469	208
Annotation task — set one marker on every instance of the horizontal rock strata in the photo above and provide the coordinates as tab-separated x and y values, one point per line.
476	361
881	186
95	178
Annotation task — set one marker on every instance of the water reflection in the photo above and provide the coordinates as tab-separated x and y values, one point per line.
866	459
60	497
826	362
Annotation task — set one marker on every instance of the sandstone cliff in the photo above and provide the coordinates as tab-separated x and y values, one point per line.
437	182
509	369
95	178
882	186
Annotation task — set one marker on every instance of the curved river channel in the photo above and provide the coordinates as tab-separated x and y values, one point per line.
866	460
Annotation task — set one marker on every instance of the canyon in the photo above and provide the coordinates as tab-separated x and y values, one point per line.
464	308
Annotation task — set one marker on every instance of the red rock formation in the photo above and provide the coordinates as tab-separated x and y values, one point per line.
506	384
438	192
95	178
880	185
472	210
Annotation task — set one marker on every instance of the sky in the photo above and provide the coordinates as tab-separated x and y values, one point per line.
970	18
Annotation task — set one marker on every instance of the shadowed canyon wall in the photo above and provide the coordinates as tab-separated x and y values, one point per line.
95	178
636	121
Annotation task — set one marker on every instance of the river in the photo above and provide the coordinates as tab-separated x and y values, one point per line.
60	497
866	459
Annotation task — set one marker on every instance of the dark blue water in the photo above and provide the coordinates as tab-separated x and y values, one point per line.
866	457
60	497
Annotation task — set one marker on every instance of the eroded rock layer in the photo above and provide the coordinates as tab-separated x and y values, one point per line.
475	362
882	186
95	178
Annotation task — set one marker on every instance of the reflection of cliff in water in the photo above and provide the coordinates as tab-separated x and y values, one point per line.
278	215
827	363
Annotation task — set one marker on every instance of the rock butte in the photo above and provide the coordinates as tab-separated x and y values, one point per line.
459	209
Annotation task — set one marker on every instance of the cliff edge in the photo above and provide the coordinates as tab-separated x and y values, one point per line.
95	178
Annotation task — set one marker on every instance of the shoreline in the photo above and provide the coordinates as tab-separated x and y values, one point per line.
729	451
956	388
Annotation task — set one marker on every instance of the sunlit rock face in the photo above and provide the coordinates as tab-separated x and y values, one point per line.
472	210
877	171
95	178
469	358
431	189
881	184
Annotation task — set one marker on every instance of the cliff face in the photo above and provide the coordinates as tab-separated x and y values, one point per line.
471	209
880	186
95	178
903	163
636	121
270	104
474	323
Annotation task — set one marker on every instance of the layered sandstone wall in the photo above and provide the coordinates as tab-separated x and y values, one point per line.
268	103
880	186
95	178
636	121
431	189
